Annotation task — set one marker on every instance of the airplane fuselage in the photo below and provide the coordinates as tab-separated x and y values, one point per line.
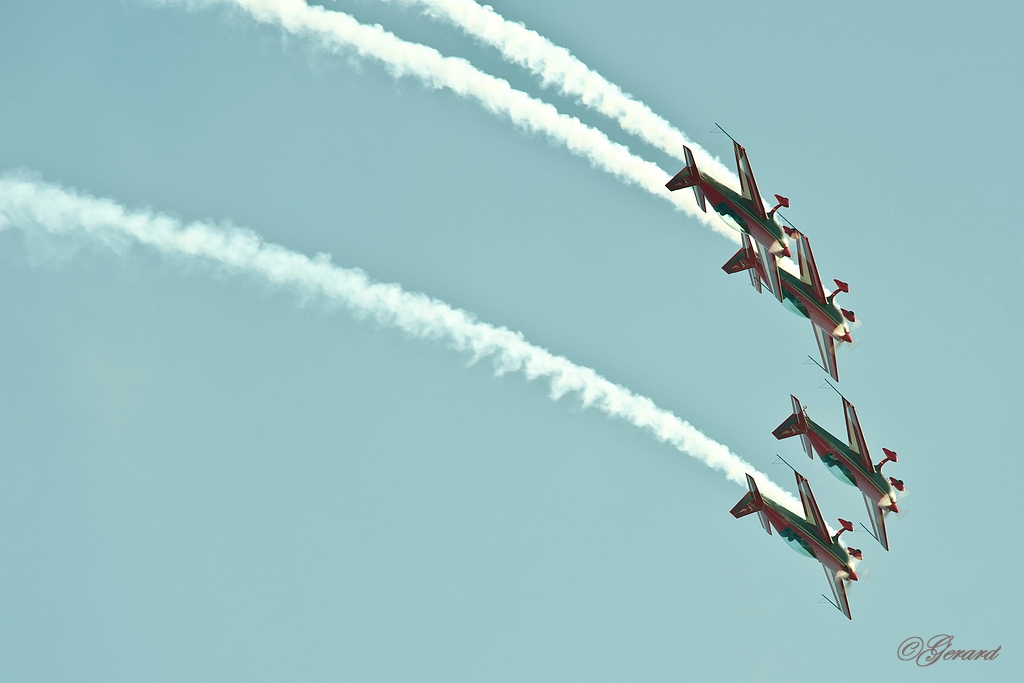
803	538
727	202
848	467
801	299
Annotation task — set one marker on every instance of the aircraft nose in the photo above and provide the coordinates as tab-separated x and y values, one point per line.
785	251
847	338
853	575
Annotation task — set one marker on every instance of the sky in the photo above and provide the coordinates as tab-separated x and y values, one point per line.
206	477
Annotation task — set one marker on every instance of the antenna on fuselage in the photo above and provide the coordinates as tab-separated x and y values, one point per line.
816	363
868	530
829	600
726	133
779	457
832	386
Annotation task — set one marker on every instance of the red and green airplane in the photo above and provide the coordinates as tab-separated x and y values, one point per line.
747	209
850	464
807	535
803	295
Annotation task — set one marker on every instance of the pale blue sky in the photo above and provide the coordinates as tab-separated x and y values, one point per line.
202	479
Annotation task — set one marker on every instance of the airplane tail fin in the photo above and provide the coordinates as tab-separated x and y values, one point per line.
752	502
795	424
689	177
745	259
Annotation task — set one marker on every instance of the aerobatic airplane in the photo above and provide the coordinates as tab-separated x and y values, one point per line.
803	295
850	464
808	535
746	209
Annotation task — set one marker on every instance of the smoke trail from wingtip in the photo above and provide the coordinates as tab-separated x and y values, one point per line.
30	204
555	65
337	31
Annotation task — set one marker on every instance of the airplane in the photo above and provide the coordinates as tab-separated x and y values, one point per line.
803	295
747	209
850	464
807	535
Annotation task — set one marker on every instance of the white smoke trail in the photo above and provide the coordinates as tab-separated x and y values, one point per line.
337	31
30	204
555	65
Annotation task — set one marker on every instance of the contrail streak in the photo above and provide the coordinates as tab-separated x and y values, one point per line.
337	32
555	65
30	204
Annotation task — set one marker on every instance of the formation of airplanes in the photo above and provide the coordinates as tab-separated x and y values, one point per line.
767	243
765	240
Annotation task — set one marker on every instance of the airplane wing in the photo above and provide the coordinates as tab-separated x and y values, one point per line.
771	270
808	270
747	184
857	442
827	348
877	516
839	591
753	272
811	512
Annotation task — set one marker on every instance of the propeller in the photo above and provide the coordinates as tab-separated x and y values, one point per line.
855	323
862	574
901	511
902	493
